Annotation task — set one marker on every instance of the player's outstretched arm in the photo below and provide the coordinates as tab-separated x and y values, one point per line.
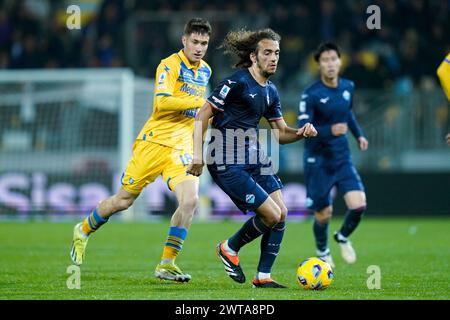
200	127
286	134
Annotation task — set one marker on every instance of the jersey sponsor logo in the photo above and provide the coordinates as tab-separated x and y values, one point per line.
304	96
231	81
346	95
189	113
224	91
190	90
324	100
268	100
252	95
311	160
162	87
302	106
250	198
217	100
162	77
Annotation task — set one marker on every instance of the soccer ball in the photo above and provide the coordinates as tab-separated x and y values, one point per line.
314	274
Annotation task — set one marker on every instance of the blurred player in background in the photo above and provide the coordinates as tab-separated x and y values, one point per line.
237	105
327	104
443	73
163	147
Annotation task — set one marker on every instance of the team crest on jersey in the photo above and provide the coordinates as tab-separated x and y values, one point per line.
346	95
224	91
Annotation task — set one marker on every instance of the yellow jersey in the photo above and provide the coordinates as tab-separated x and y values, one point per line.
443	73
179	92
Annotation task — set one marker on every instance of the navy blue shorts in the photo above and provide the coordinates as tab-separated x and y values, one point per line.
320	179
246	187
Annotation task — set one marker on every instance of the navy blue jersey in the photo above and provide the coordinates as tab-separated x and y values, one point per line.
240	103
324	106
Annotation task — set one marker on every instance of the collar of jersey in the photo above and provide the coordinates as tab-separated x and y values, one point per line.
186	61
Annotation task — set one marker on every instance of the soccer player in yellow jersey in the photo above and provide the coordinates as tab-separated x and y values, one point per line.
163	147
443	73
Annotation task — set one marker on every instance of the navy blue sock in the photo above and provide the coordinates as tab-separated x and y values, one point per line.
321	234
351	221
252	229
270	246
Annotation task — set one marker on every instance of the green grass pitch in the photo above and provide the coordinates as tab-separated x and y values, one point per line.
413	255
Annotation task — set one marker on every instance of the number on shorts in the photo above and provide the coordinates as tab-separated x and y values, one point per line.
186	159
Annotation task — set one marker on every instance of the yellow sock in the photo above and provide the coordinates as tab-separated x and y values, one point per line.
169	253
86	228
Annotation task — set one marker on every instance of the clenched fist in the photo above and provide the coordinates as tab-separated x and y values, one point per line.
195	168
307	131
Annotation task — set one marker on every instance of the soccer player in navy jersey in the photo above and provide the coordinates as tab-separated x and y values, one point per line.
238	168
327	104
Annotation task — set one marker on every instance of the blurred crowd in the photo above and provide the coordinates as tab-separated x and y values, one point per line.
403	54
34	34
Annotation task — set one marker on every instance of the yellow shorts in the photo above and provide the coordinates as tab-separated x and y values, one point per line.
150	160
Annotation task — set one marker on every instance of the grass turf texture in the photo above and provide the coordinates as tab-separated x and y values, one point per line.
413	255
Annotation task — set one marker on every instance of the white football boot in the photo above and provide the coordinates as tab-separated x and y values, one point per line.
347	251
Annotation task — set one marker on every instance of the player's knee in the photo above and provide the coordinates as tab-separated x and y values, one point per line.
189	204
283	213
360	207
323	219
274	217
324	215
273	220
359	202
